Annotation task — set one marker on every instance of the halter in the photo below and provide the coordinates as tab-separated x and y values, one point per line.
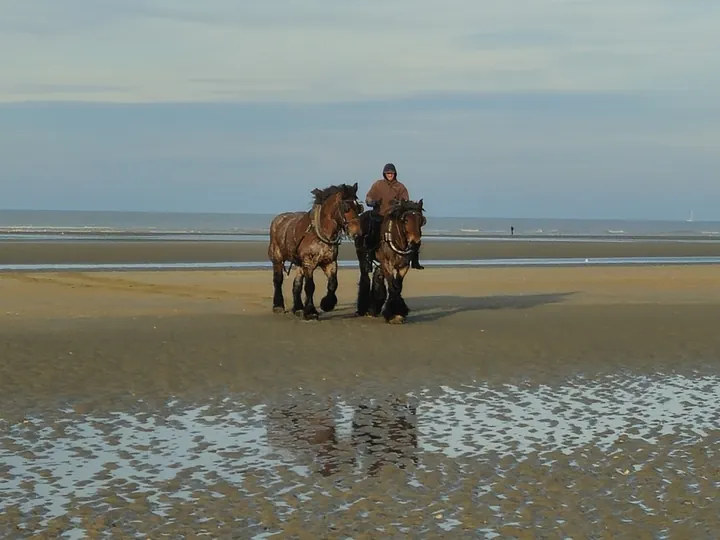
389	239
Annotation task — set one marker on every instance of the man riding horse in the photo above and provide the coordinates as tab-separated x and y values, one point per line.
379	198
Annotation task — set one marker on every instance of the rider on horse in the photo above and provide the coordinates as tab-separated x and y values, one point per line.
380	197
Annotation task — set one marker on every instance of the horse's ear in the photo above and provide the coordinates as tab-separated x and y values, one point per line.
421	203
355	188
315	192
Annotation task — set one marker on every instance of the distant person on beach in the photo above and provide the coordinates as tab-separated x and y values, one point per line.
380	197
512	230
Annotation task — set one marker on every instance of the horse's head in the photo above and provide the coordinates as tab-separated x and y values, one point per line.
341	203
410	219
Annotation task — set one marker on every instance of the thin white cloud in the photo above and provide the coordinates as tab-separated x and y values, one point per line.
324	50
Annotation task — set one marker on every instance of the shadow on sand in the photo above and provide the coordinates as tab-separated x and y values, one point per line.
433	308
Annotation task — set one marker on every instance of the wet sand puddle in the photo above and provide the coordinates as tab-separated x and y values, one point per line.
444	263
632	456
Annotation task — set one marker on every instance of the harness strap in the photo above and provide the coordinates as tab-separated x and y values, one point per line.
297	246
314	216
314	223
391	243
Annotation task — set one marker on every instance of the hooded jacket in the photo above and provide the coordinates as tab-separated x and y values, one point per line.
384	191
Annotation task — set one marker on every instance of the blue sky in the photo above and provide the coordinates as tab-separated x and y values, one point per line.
547	108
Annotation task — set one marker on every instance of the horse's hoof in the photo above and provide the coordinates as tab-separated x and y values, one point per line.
278	309
298	312
328	304
314	316
397	319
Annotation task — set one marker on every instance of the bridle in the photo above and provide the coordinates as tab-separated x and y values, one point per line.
338	218
401	231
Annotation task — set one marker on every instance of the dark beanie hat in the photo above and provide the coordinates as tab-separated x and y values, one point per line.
389	168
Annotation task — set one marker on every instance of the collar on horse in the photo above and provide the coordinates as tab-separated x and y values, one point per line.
389	237
315	224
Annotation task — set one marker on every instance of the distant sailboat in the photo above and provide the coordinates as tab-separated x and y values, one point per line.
690	219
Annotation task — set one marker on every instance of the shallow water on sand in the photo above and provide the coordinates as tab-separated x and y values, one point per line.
445	263
629	455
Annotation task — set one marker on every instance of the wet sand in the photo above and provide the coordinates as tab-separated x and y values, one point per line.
515	403
163	251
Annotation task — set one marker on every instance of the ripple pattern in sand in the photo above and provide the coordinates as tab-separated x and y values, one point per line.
631	456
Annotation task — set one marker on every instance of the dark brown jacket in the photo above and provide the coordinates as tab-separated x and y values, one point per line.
385	191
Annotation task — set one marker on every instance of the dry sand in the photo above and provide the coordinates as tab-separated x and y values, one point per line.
156	344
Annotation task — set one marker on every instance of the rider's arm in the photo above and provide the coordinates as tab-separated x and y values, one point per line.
373	195
403	195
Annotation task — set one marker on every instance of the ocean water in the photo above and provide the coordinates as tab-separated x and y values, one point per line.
23	223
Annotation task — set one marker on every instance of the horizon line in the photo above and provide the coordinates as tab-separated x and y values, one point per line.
222	213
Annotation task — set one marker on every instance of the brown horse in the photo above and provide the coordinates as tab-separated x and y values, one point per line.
400	236
311	239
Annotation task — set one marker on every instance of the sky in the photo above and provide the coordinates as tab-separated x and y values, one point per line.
522	108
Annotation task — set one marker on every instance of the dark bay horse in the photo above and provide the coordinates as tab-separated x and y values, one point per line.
311	239
400	235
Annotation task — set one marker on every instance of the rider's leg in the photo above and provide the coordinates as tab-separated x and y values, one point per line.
374	237
415	261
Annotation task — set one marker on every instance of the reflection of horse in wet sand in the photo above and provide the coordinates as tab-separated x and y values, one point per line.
311	239
382	434
308	430
386	434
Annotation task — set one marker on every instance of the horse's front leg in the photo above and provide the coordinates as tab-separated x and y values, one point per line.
309	310
396	309
329	301
297	288
399	279
379	292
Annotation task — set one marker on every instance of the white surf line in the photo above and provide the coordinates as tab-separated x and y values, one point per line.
599	261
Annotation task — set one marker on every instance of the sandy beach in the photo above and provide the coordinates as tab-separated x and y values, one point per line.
163	251
541	405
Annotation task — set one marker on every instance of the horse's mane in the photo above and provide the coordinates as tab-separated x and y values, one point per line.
322	195
400	207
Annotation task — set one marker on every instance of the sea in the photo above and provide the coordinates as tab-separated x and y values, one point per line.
70	225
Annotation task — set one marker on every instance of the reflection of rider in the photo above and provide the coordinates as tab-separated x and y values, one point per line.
380	197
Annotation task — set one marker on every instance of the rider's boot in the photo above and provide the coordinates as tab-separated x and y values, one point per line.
415	261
